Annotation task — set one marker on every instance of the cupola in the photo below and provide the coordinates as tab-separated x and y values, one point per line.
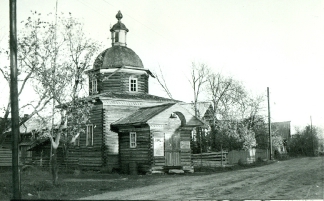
118	68
118	32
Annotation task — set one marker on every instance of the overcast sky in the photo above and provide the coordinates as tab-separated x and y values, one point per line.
276	44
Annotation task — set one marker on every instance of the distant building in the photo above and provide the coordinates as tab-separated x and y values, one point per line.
282	129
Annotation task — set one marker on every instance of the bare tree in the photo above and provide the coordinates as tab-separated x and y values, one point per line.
28	63
198	78
68	81
227	95
160	78
53	58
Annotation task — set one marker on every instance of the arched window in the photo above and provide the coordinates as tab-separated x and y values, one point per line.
133	84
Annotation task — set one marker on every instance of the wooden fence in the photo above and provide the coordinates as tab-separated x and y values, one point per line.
212	159
5	157
247	156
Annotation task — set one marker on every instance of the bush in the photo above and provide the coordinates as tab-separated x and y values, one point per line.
259	160
304	143
42	185
240	163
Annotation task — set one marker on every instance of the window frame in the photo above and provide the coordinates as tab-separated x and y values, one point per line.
77	141
132	143
131	84
88	144
94	86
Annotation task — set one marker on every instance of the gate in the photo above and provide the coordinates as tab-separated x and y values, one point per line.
172	149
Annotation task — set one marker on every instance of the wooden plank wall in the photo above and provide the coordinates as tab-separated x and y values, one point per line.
119	82
90	157
113	113
5	157
113	84
185	135
142	80
141	155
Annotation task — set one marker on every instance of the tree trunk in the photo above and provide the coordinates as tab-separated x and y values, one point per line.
54	166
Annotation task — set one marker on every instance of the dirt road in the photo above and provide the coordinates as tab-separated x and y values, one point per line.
301	178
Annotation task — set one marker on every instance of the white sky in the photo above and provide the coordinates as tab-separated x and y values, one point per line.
277	44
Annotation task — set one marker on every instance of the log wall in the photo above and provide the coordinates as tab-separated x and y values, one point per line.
110	139
89	157
119	82
141	154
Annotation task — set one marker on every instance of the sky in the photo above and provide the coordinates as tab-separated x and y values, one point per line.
276	44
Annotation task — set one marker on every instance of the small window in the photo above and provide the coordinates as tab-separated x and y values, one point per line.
132	139
89	135
94	85
133	84
116	37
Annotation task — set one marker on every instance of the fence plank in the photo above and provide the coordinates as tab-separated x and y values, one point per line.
212	159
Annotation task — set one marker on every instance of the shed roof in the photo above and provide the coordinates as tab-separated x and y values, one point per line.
142	115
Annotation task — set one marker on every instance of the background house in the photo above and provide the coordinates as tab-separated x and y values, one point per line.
28	136
283	131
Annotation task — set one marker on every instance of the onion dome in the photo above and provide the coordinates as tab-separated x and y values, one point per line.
117	56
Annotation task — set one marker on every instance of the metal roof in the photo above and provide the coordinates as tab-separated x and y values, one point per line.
202	108
142	115
117	56
133	96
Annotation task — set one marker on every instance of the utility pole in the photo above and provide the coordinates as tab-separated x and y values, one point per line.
14	101
269	125
311	132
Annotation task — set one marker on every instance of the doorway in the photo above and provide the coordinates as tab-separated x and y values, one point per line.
172	149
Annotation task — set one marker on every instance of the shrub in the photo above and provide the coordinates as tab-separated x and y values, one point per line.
240	163
42	185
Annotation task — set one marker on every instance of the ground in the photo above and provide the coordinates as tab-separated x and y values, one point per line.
298	178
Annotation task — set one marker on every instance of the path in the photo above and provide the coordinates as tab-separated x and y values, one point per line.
301	178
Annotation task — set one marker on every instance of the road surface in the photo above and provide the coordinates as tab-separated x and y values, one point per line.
300	178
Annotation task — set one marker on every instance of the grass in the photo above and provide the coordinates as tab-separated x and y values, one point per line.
36	183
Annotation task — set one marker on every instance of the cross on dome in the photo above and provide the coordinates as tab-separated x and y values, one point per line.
119	15
118	32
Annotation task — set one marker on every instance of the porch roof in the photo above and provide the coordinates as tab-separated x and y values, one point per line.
132	96
142	115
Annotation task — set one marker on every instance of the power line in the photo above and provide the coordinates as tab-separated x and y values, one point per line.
143	24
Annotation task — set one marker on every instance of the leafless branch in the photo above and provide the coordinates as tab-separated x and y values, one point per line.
163	83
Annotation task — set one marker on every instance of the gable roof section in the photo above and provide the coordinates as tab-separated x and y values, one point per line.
202	108
133	96
142	115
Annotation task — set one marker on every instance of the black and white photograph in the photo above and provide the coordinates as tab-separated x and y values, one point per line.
161	100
